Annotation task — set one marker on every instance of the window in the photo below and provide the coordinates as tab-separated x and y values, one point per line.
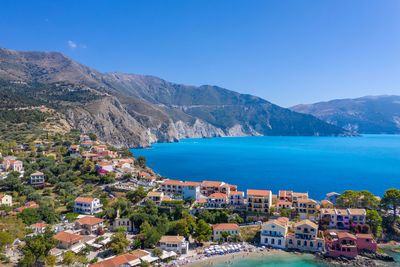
311	244
279	242
298	242
290	241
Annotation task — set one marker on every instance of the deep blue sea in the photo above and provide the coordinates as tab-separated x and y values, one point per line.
317	165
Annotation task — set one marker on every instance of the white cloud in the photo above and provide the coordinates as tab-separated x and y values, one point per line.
83	46
72	44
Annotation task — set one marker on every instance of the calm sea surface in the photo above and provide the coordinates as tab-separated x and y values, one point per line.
317	165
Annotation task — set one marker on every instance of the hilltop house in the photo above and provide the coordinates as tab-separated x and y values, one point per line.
273	233
230	228
104	166
38	228
5	200
68	240
306	237
156	197
89	225
176	244
37	178
87	205
259	200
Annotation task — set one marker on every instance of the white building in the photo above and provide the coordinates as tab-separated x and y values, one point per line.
274	232
38	228
186	189
37	178
236	200
217	200
177	244
5	200
87	205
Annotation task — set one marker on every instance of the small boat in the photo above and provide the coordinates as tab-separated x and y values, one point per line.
395	250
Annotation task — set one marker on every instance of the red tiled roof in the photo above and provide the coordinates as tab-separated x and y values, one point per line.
143	173
103	163
285	193
88	220
225	226
366	236
67	237
284	203
236	193
116	261
218	195
264	193
85	199
172	239
37	173
346	235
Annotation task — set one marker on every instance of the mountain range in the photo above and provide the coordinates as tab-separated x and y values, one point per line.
364	115
136	110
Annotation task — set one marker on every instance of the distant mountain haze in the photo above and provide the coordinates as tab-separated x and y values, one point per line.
364	115
137	110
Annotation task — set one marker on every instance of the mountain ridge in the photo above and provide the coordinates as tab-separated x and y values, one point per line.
378	114
137	110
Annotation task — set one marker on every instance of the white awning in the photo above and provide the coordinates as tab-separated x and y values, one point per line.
78	248
167	254
148	258
134	262
105	241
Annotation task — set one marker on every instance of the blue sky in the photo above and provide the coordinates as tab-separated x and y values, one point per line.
287	52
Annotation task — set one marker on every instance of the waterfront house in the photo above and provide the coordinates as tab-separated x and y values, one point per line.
37	178
366	242
283	205
306	237
326	204
68	240
177	244
89	225
217	200
307	209
274	232
259	200
342	218
186	189
332	197
87	205
124	260
236	200
230	228
341	244
5	200
286	196
297	196
211	187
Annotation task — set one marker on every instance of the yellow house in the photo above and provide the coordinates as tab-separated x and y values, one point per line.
259	200
306	237
307	209
326	204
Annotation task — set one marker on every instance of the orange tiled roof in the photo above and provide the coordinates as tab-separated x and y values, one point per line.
285	193
39	225
103	163
85	199
187	183
284	203
139	253
67	237
37	173
236	193
143	173
202	200
211	183
172	239
173	182
264	193
345	234
88	220
225	226
115	261
367	236
218	195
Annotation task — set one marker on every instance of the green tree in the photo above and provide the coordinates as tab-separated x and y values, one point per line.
92	136
51	260
202	231
375	222
391	200
30	216
157	252
225	235
137	195
37	247
150	235
5	239
119	242
69	258
141	161
145	264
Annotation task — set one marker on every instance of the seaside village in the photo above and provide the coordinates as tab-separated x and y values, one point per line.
80	202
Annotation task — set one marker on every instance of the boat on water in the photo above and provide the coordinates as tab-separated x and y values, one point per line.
395	250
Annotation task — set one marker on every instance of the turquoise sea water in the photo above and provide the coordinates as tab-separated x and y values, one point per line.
317	165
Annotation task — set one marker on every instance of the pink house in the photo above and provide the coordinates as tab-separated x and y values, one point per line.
366	241
341	244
